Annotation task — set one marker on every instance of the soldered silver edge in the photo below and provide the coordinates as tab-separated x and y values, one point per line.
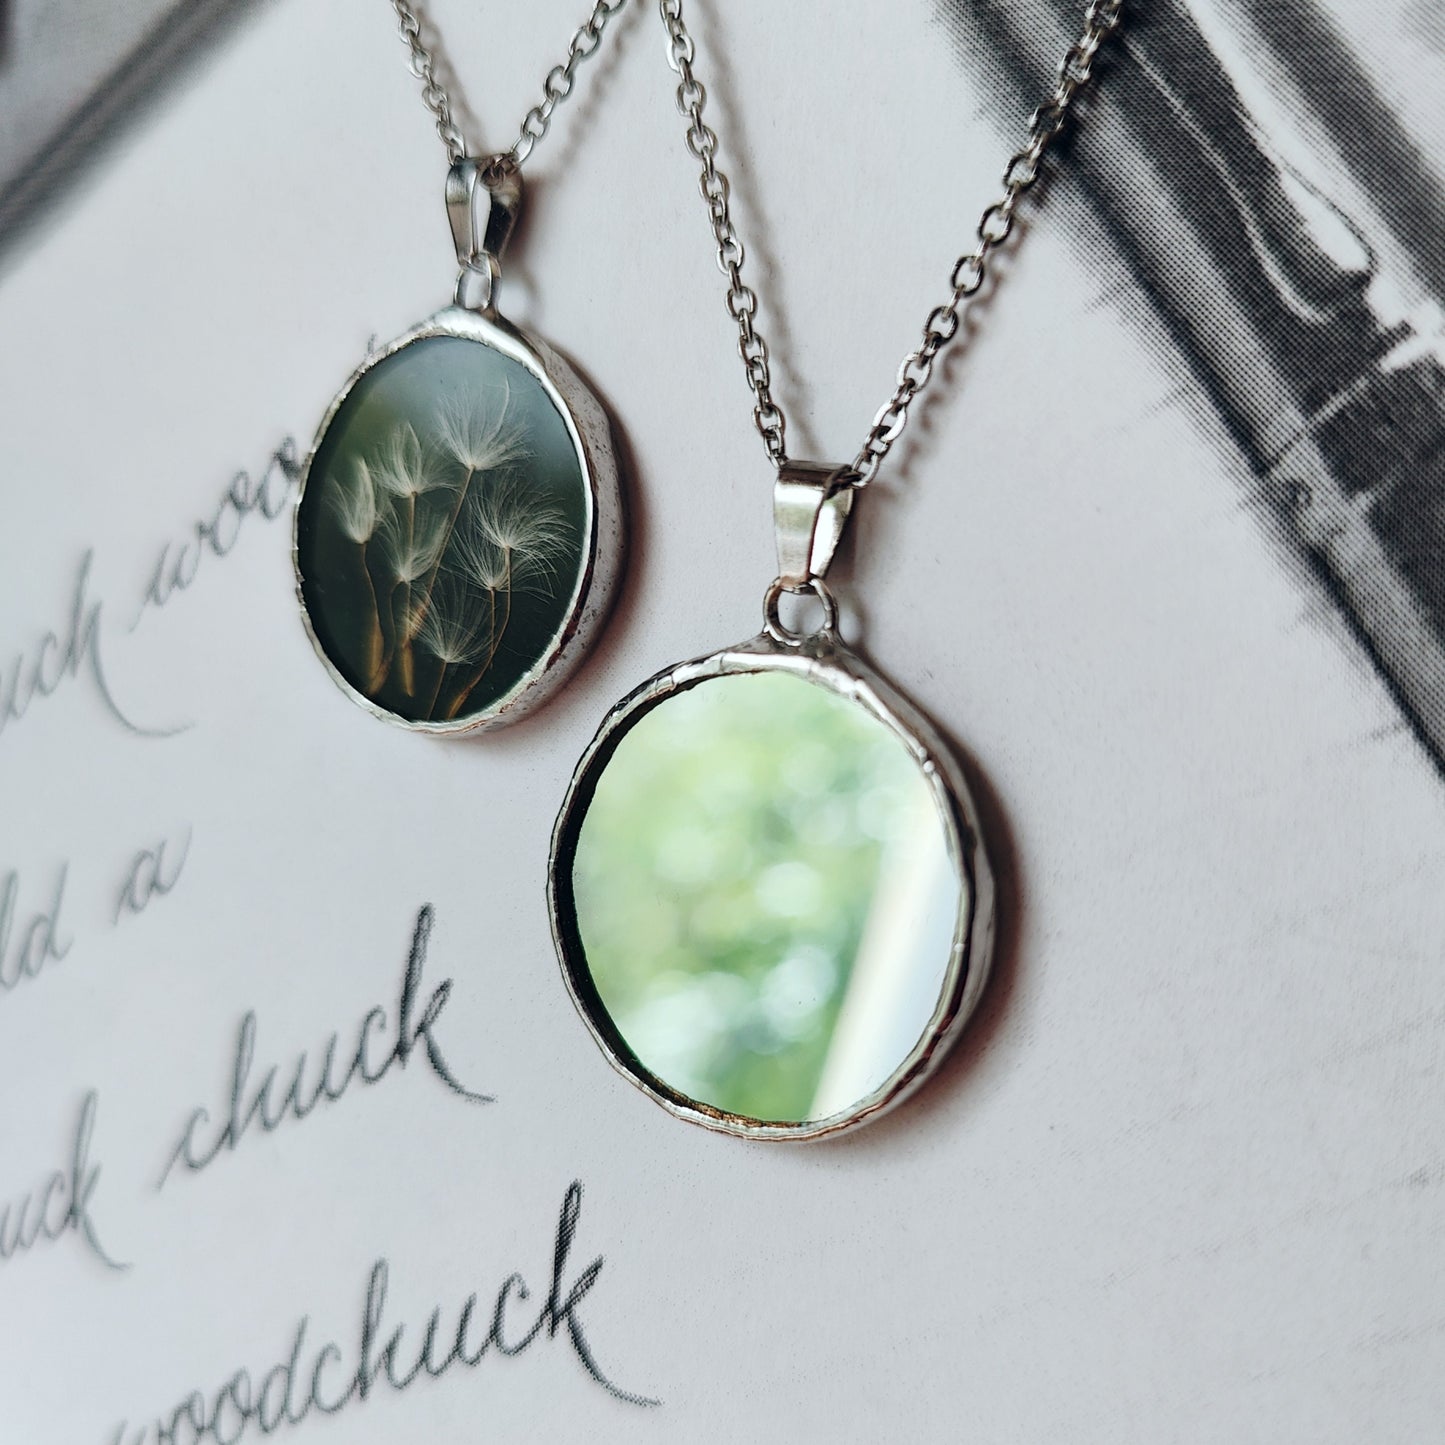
591	434
825	661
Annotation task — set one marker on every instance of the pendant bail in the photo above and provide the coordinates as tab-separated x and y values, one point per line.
812	502
484	198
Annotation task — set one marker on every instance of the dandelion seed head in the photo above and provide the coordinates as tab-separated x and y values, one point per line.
532	535
411	549
477	557
455	627
403	468
477	433
354	499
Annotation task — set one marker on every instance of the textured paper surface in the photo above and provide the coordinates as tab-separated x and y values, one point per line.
1181	1182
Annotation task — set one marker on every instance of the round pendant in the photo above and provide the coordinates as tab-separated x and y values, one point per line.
457	528
768	891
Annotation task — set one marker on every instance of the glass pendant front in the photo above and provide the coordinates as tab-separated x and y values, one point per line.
455	532
769	894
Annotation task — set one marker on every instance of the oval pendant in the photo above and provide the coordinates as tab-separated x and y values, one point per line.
768	890
457	528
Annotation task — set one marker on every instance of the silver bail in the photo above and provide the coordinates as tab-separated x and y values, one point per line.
811	505
483	201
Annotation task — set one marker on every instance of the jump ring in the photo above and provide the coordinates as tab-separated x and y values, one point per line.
773	623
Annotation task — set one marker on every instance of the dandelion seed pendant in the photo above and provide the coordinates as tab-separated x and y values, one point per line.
457	528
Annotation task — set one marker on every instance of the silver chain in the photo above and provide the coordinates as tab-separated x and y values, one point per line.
1101	19
556	87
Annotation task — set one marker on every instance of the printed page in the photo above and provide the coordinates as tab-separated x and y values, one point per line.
301	1133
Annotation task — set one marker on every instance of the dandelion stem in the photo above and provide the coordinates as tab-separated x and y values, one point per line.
386	620
406	631
431	706
451	527
459	701
373	663
396	626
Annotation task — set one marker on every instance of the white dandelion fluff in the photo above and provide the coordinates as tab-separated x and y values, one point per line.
411	548
356	504
478	434
403	468
456	627
477	557
531	535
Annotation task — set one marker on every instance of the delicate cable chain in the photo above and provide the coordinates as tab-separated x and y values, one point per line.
1101	19
742	301
555	88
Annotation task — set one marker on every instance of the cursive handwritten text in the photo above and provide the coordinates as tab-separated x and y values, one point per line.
177	564
39	941
57	658
75	651
61	1205
152	874
327	1381
259	1105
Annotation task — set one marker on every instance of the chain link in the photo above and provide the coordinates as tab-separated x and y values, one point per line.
742	301
1101	19
556	87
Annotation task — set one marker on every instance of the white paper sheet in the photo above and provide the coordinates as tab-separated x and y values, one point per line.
1182	1180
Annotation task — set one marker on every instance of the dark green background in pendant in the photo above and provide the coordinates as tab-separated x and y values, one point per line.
412	386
